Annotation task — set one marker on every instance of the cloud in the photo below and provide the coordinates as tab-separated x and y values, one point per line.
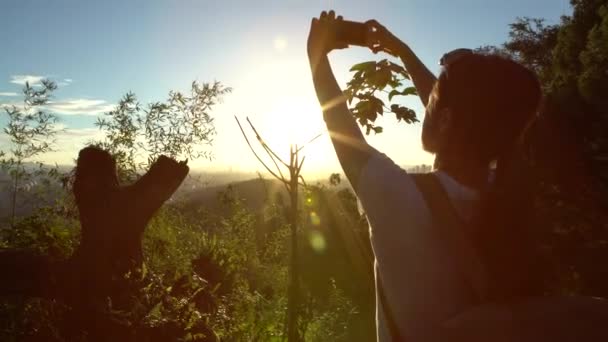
68	141
8	93
71	140
80	106
90	132
65	82
31	79
69	106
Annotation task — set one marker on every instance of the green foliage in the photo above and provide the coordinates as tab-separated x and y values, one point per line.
43	232
242	271
336	265
568	145
31	130
180	127
593	82
333	323
530	39
371	79
217	274
222	273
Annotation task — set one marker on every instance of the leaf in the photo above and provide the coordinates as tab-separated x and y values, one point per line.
363	106
409	91
380	78
376	105
394	83
404	113
378	129
398	69
404	92
393	93
365	66
371	115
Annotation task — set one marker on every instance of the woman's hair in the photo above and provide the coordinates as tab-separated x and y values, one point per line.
493	100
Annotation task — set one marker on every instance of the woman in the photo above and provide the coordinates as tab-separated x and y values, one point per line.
476	114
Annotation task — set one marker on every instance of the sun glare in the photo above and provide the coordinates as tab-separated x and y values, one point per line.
295	121
285	111
280	43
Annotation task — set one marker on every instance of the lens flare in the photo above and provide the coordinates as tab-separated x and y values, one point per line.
280	44
315	219
317	241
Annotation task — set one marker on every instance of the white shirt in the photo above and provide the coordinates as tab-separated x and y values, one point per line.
421	282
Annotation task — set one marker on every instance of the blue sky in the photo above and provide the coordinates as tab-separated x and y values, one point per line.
98	50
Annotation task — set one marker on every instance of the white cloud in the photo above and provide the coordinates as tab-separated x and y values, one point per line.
80	106
90	133
71	140
65	82
69	106
68	141
31	79
5	93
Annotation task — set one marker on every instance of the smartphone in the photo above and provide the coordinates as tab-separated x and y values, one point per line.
351	32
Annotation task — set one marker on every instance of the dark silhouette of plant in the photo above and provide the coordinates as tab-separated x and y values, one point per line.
113	220
104	284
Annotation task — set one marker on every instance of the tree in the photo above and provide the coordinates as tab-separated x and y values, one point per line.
180	128
31	130
113	220
292	186
106	276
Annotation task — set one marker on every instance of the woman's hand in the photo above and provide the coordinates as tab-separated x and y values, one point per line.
322	38
379	39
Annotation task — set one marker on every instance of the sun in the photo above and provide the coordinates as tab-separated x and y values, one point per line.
279	99
295	121
298	122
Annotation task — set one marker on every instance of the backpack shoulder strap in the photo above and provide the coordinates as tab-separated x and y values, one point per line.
449	224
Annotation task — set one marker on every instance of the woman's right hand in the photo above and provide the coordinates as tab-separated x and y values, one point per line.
380	39
322	36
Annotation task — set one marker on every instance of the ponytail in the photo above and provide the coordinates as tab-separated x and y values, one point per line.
504	230
493	101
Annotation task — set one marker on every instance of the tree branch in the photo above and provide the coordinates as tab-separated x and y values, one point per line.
258	157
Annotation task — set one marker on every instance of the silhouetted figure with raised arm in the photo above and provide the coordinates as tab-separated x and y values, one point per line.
454	258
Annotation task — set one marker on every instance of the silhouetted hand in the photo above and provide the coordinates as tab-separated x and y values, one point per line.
379	39
322	37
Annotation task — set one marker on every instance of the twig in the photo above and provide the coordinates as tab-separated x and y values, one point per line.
299	167
310	141
303	181
257	135
256	155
